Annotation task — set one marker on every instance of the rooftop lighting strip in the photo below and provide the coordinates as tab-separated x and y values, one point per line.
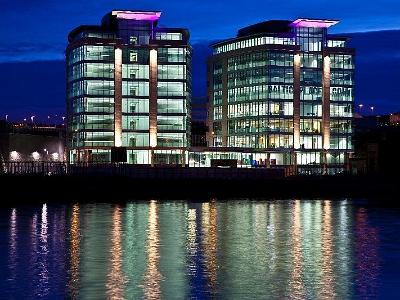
314	23
139	16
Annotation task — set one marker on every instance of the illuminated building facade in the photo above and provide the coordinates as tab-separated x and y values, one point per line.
283	91
128	88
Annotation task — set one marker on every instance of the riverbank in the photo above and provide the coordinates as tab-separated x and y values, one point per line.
108	188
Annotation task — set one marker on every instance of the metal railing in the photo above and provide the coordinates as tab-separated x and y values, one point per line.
45	168
34	167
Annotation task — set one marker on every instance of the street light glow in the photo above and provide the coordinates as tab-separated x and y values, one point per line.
36	155
14	155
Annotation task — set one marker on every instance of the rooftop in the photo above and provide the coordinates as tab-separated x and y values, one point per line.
318	23
137	15
281	28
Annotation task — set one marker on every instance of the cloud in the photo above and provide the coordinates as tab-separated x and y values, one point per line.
24	52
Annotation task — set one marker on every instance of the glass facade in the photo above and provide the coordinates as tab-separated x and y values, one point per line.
90	70
118	95
287	86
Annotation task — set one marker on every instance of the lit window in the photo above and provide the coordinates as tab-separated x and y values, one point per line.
133	56
132	74
133	40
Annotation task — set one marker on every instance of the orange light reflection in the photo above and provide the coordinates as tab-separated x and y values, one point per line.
74	252
152	277
116	279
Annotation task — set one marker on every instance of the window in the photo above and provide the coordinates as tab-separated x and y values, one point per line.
135	71
172	54
131	88
133	56
171	89
135	122
135	139
172	36
171	139
172	72
135	106
171	122
171	106
133	40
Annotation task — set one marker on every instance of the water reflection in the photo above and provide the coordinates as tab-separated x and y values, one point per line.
116	279
209	232
42	266
327	285
191	241
367	262
152	277
13	247
74	252
292	249
296	284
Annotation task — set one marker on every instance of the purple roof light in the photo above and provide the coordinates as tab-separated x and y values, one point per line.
137	15
316	23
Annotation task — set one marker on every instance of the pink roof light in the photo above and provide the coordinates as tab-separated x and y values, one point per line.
137	15
314	23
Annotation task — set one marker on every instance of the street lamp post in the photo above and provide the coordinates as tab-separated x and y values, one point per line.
47	154
372	109
360	106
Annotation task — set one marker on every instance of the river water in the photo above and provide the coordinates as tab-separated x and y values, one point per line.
238	249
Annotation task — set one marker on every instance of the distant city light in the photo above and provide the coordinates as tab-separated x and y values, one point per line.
14	155
36	155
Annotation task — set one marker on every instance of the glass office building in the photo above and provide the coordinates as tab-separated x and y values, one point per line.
128	87
286	90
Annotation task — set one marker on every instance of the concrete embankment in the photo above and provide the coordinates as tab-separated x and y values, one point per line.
109	187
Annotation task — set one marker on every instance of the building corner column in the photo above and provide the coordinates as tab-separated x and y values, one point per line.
117	97
326	86
153	98
296	100
210	104
224	121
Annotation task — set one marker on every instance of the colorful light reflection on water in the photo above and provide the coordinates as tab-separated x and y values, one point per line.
283	249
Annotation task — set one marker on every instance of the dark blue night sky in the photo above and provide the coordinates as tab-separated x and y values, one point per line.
33	39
